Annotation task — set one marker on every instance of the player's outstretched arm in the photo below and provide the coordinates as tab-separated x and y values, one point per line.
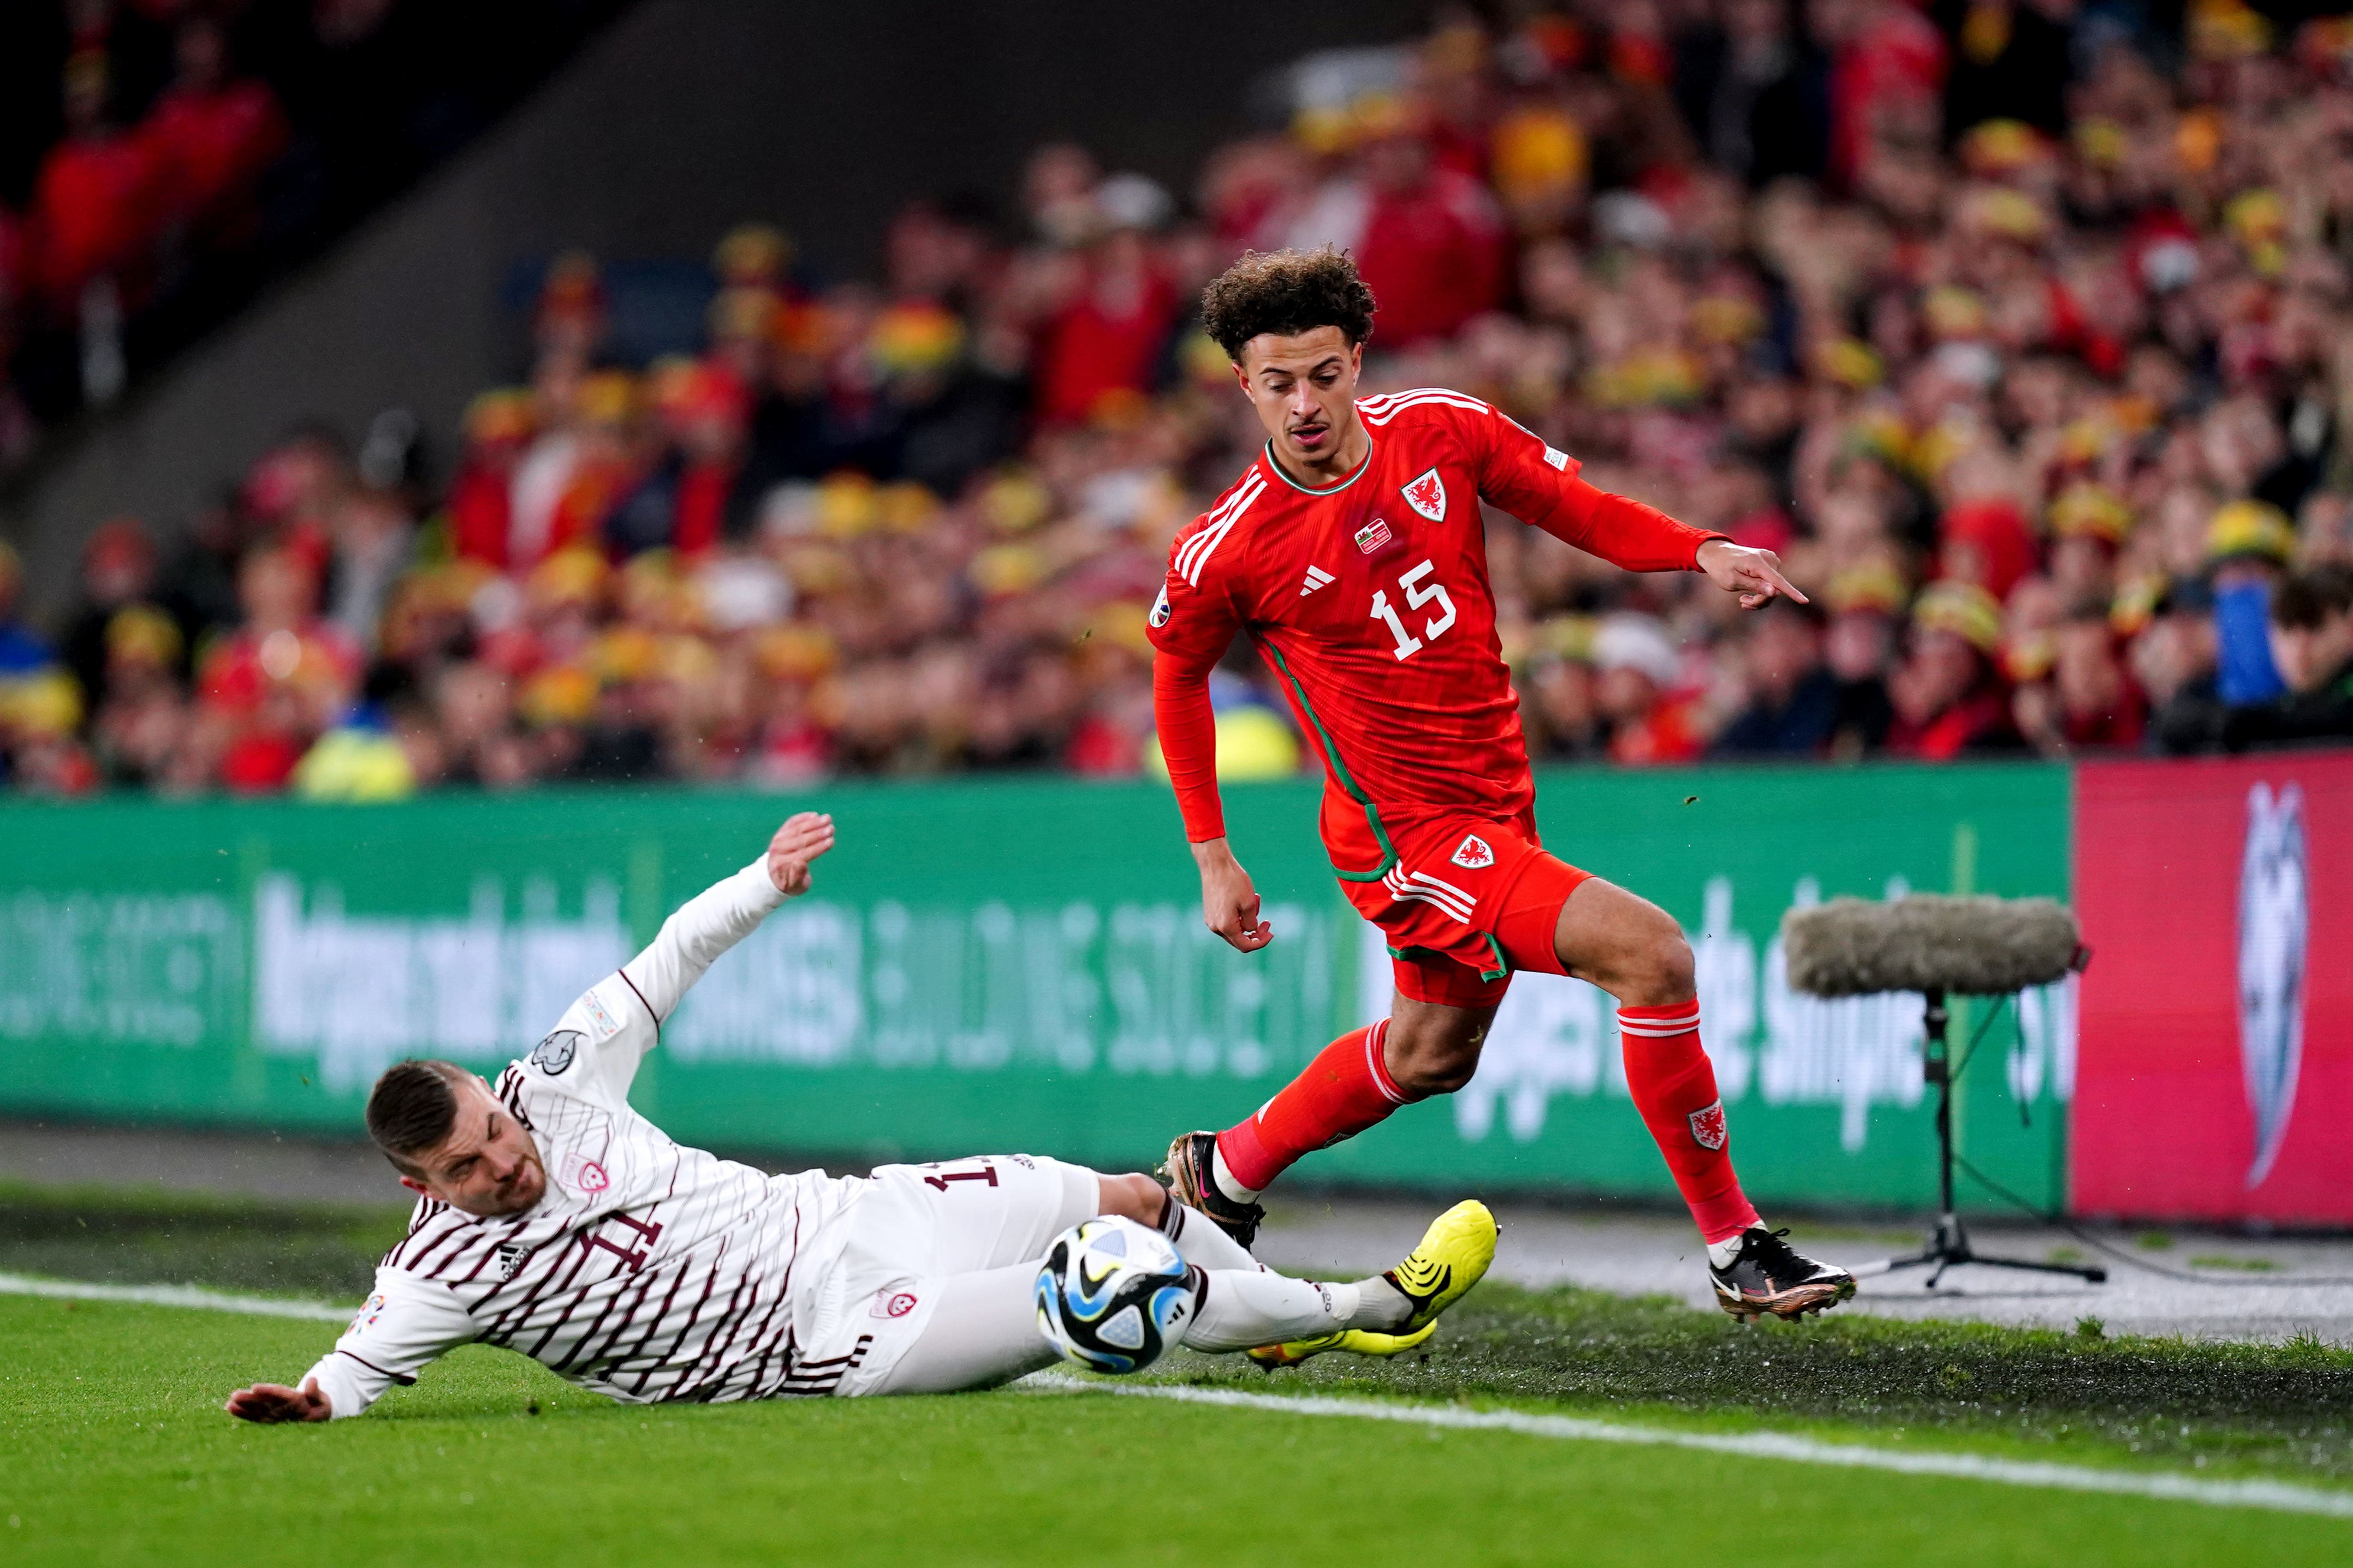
726	912
407	1324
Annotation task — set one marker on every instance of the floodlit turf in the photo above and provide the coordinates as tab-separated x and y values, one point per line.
2279	1410
112	1451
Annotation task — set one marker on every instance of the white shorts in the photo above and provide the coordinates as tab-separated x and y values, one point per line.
912	1226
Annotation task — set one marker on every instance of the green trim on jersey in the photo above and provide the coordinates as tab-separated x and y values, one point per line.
1327	490
1339	772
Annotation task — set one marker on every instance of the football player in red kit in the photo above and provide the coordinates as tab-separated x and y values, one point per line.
1353	555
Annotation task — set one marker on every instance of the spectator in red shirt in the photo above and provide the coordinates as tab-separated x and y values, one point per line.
272	685
2089	701
1433	248
1949	695
210	138
1428	241
1108	334
1650	721
482	499
1887	72
96	205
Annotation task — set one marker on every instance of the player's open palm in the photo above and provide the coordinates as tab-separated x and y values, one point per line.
273	1402
804	835
1754	574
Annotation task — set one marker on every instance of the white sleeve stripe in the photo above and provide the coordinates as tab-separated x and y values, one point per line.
1196	550
1195	553
1420	399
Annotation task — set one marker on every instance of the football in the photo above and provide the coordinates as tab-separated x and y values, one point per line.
1111	1294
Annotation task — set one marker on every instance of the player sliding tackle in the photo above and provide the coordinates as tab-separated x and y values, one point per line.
1353	553
554	1220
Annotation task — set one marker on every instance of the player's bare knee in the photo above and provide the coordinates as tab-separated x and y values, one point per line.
1664	973
1442	1075
1428	1065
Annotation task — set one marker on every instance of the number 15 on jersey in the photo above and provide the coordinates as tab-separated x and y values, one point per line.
1417	595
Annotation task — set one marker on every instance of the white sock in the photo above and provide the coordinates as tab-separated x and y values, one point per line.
1223	1175
1199	1240
1241	1308
1382	1307
1720	1254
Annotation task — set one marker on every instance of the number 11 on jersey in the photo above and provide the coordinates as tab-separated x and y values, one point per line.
1417	593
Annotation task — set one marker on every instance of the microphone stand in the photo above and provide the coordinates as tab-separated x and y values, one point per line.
1948	1243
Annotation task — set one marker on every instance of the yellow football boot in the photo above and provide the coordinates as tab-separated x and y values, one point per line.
1453	1256
1358	1342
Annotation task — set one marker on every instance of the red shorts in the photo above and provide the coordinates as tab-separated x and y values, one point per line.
1463	900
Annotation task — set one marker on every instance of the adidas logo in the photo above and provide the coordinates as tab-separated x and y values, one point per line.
1316	578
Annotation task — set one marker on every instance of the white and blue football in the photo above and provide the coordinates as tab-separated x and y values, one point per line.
1112	1294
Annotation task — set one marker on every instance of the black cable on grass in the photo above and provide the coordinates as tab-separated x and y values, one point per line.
2062	1223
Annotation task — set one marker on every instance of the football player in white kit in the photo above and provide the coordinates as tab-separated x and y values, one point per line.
554	1220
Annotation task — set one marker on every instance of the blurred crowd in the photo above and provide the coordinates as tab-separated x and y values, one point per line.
161	159
2019	328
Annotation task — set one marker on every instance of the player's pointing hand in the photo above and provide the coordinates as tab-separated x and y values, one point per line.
804	835
1754	574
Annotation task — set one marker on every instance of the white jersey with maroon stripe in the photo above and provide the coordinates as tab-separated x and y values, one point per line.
648	1272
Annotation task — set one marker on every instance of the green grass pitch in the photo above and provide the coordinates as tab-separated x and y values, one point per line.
113	1448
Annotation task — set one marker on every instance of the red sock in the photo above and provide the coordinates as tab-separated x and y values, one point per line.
1342	1092
1674	1085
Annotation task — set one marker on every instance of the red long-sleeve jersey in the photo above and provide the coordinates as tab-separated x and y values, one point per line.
1369	601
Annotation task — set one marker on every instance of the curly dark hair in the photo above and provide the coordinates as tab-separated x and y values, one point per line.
1286	292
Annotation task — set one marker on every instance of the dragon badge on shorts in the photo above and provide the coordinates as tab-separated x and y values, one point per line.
1473	854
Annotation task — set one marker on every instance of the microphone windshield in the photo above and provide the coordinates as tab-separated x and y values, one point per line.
1927	942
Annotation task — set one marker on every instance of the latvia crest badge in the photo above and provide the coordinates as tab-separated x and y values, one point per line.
1707	1126
1474	855
1427	495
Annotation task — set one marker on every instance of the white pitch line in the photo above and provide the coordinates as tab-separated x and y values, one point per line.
2279	1497
173	1296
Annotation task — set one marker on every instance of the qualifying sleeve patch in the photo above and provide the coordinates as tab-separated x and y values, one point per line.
599	1018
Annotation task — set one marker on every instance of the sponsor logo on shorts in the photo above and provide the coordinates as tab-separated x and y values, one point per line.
1427	495
1473	854
555	1054
893	1303
1707	1127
